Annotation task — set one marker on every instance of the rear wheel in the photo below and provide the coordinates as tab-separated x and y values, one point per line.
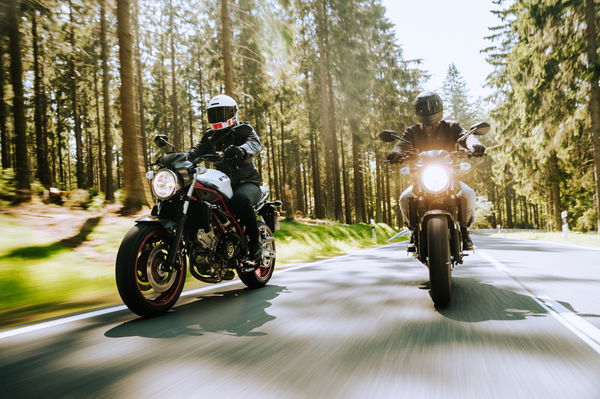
261	276
144	287
438	241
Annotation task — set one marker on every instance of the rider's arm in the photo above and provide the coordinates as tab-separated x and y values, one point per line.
251	143
406	142
199	149
458	132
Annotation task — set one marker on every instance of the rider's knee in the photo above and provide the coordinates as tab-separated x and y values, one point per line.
238	201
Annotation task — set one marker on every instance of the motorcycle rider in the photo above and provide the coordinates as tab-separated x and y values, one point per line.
435	133
239	143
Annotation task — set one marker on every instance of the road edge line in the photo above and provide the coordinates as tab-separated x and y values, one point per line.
587	332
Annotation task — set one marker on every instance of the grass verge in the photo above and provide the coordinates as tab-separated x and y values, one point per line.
574	238
43	277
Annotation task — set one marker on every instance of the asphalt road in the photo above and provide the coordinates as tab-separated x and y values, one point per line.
524	322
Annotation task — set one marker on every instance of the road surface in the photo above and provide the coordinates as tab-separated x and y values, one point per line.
524	322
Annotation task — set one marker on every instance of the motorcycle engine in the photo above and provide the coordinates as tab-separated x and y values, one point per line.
208	240
229	247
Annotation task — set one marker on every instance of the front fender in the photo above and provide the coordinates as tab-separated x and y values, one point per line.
169	225
428	214
455	242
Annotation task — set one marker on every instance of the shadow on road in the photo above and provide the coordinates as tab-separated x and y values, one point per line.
238	312
474	301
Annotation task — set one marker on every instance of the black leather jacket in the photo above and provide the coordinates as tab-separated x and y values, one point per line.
444	136
241	135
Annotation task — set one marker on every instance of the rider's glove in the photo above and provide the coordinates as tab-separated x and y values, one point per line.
234	153
394	156
478	150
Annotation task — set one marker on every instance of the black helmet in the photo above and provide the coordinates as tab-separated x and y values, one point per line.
429	107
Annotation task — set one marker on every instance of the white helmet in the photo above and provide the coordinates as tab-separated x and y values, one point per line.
222	112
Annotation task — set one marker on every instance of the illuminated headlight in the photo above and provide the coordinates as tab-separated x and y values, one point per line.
435	178
165	183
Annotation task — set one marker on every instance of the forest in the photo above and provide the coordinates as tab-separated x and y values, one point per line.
86	85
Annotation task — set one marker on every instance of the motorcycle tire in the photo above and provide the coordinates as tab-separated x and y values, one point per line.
142	250
261	276
438	242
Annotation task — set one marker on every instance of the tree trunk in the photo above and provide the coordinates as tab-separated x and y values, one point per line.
108	137
89	145
226	41
325	112
273	154
190	114
337	184
163	122
100	165
509	209
177	136
4	135
314	153
389	218
79	173
59	143
591	18
359	190
346	184
16	77
41	150
201	93
133	178
297	176
378	191
140	81
319	211
554	181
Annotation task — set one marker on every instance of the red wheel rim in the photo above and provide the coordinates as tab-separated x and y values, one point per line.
150	243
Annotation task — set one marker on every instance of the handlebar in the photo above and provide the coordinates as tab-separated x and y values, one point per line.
457	154
216	157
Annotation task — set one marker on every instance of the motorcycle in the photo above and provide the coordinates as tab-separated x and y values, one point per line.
191	223
435	209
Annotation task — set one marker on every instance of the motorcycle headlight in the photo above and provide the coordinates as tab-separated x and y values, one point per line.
165	184
435	178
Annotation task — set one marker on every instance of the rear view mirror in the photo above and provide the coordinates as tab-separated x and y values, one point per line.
481	128
161	140
387	136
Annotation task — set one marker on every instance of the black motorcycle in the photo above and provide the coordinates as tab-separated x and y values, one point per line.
191	224
435	209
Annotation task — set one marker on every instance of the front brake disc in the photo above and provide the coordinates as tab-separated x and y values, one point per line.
160	280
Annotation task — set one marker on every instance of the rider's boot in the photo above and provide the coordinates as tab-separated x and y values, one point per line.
254	255
255	250
411	244
466	237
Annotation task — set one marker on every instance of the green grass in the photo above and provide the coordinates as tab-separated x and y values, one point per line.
299	242
41	277
574	237
44	276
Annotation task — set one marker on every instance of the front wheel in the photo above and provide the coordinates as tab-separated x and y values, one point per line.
261	276
144	287
438	241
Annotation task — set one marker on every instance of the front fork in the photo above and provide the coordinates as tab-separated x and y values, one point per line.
170	264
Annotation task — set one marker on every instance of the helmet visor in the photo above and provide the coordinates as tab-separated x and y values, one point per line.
220	114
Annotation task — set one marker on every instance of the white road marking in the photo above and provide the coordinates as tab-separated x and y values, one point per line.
587	332
88	315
